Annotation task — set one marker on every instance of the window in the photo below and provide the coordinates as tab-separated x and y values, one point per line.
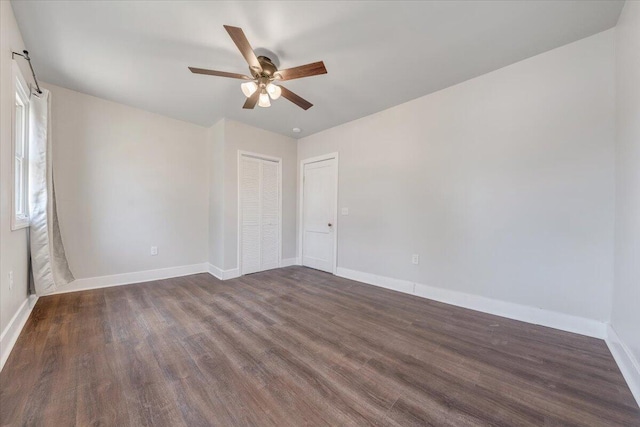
20	134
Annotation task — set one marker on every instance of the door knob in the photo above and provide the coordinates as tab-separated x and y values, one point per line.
329	224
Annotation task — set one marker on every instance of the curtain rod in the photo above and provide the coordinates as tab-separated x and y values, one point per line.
25	55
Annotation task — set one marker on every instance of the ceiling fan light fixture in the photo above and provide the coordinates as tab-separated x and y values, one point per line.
264	100
274	91
258	87
248	88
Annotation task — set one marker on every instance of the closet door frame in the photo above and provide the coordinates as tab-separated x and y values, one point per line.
278	160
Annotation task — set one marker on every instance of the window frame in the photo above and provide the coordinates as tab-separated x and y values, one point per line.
20	188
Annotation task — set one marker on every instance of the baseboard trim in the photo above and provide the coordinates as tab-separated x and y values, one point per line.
628	364
287	262
11	333
131	278
216	272
221	274
231	274
534	315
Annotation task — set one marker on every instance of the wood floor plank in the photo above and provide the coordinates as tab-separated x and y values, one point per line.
99	390
295	346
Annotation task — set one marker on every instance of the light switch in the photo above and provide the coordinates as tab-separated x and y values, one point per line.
344	211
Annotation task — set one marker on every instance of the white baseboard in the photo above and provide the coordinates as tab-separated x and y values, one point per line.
628	364
223	274
287	262
537	316
12	331
235	272
216	272
231	274
130	278
373	279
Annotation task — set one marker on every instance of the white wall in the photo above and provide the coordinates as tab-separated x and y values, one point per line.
215	147
504	184
127	179
13	244
243	137
625	317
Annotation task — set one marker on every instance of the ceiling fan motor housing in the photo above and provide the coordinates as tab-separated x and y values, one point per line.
268	68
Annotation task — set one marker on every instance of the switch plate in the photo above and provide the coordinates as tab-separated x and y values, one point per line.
344	211
154	250
10	280
415	259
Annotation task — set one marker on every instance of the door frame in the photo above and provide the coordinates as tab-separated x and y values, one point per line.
260	156
304	162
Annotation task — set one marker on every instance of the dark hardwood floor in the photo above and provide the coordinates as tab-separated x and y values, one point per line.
295	347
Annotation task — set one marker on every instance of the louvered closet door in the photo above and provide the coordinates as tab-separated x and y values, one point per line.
270	208
260	214
250	222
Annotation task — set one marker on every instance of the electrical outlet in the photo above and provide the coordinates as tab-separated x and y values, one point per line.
154	250
415	259
10	280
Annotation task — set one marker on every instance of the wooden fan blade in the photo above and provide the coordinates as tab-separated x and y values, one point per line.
238	37
251	102
219	73
308	70
296	99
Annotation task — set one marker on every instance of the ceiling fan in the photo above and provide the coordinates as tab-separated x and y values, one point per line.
260	85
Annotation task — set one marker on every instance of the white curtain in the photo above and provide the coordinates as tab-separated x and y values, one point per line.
48	259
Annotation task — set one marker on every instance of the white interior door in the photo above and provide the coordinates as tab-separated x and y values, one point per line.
319	215
259	214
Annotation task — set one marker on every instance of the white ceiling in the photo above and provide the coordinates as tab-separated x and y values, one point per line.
378	54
